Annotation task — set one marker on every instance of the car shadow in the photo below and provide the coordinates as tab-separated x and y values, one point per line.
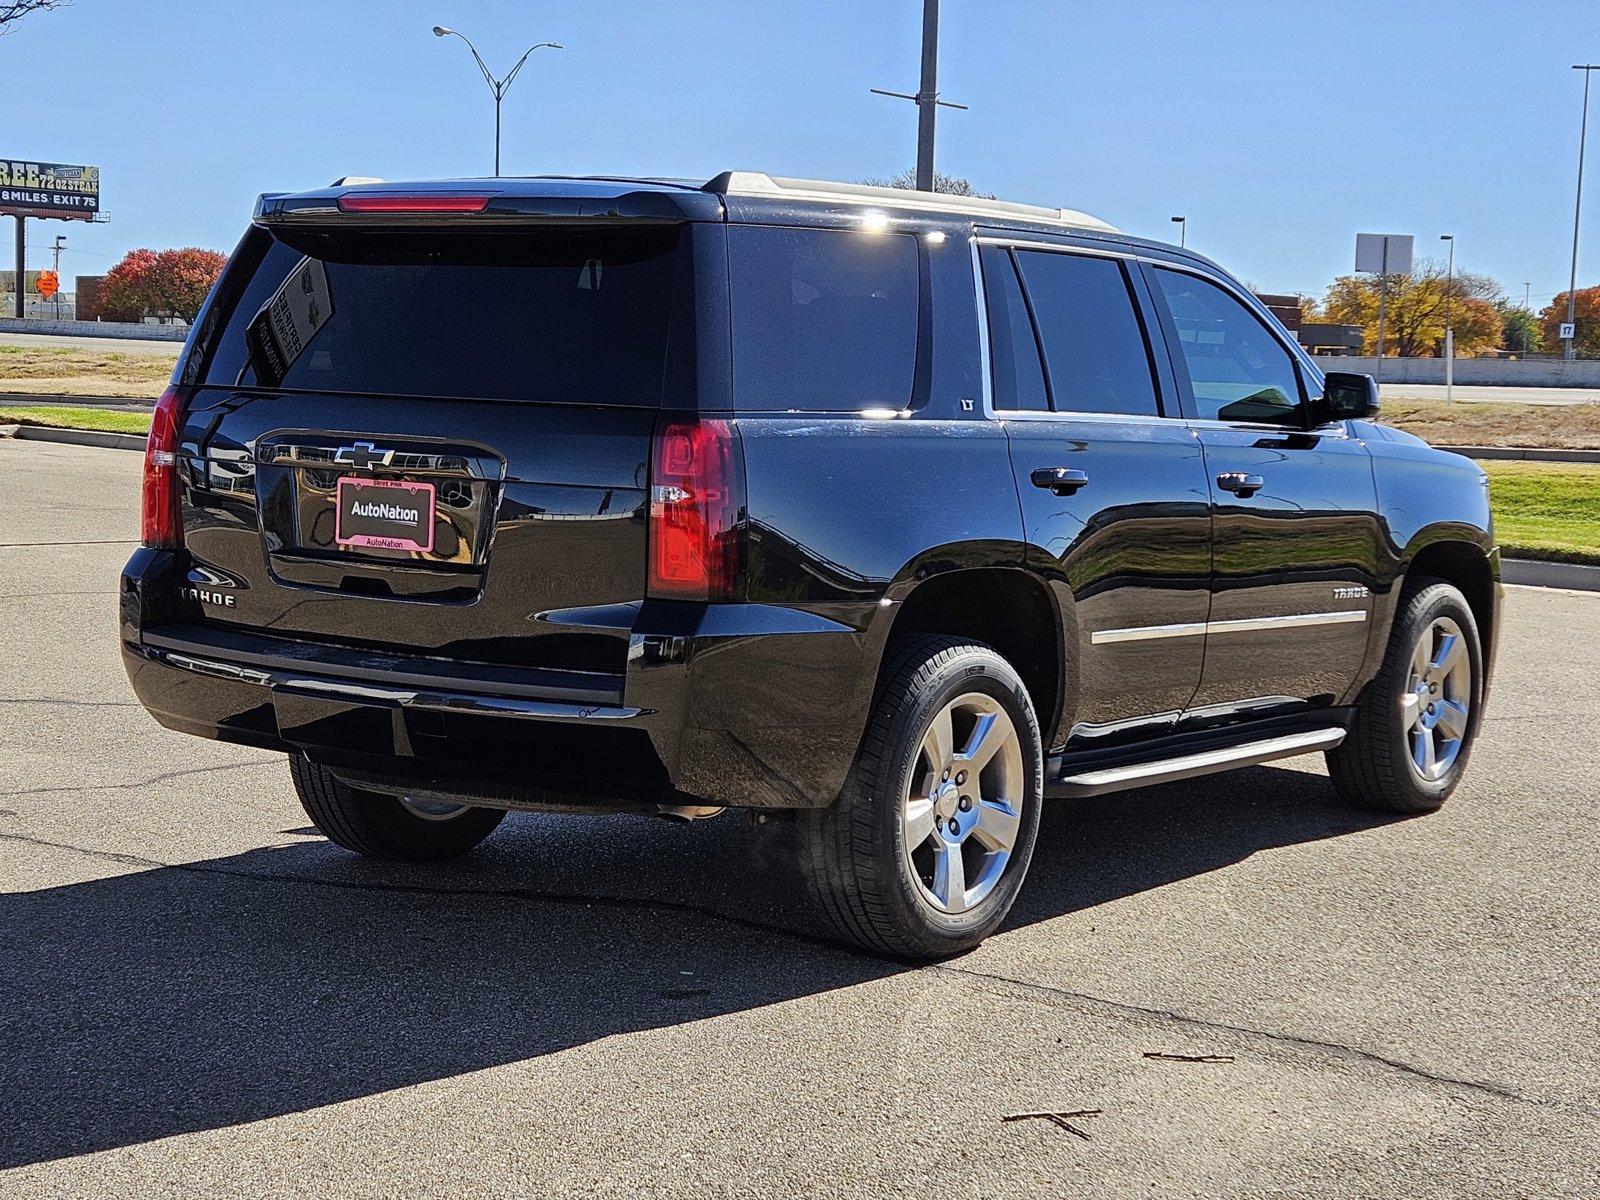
174	999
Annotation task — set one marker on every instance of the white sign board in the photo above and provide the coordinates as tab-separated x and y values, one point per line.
1384	253
1568	331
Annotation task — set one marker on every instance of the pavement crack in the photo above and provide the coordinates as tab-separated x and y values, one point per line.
1337	1049
1092	1005
138	783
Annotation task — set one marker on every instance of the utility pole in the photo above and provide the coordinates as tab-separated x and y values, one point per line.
56	249
1183	231
1570	350
927	95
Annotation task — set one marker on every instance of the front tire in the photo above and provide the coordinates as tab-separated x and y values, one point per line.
925	850
1414	729
379	826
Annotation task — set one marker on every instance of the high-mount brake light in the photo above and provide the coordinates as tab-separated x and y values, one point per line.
390	203
696	498
161	526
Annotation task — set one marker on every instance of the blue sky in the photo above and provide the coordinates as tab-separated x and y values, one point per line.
1280	129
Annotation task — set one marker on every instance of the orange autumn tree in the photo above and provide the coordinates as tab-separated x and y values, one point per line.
164	283
1588	320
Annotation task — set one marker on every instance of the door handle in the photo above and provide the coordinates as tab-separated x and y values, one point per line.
1063	481
1239	483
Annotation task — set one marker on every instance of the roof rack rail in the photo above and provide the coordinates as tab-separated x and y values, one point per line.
758	183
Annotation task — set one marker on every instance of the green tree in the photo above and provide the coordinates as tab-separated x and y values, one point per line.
1520	331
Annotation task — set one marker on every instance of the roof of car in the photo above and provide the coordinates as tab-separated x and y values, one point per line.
660	196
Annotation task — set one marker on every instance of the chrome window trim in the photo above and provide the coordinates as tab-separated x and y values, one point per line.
1145	633
1296	353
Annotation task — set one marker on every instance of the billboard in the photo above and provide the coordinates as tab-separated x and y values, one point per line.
36	189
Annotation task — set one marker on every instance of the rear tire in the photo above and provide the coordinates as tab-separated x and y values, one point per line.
925	850
380	826
1415	725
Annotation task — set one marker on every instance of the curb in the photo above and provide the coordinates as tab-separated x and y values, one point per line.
1524	453
1534	573
78	437
86	401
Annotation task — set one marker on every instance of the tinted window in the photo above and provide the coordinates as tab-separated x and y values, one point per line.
1093	346
1238	370
576	316
1013	350
823	319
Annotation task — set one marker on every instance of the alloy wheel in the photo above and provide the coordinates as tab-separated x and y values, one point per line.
962	811
1437	702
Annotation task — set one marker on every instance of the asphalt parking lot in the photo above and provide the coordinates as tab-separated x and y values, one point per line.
202	997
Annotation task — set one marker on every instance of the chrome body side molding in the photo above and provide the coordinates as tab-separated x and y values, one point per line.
1144	633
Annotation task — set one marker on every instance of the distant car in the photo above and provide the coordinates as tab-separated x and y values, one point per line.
897	511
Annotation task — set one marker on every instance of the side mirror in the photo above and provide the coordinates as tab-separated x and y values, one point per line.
1351	397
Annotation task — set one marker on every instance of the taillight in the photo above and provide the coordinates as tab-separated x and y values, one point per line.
696	494
367	202
162	527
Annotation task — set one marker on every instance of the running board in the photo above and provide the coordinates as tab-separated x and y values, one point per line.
1187	766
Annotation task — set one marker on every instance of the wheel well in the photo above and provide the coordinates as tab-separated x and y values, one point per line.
1007	609
1467	567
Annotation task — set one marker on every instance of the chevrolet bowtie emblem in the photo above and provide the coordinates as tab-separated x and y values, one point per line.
363	455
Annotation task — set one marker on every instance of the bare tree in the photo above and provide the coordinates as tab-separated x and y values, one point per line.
12	11
950	184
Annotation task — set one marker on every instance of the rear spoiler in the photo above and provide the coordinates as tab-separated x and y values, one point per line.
468	205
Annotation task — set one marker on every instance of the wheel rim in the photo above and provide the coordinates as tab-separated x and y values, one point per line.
1437	702
432	810
962	812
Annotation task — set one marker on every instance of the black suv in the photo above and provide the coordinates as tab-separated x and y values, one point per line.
899	512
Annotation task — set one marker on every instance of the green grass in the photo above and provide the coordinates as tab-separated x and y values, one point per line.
75	417
1546	510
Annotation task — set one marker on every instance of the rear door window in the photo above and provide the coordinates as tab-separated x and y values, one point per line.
1094	347
1013	349
575	316
824	320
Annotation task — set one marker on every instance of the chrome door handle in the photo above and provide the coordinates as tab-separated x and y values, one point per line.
1239	483
1063	481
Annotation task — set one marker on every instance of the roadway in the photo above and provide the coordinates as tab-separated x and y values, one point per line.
202	997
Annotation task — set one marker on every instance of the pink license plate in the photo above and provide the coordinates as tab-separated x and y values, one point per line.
385	514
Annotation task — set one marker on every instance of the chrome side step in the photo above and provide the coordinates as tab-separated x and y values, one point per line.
1187	766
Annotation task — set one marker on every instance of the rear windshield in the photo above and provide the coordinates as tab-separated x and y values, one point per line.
823	319
576	316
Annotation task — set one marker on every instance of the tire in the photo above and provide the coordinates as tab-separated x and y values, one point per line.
380	826
862	877
1383	763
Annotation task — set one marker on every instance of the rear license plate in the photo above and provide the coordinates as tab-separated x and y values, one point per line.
386	514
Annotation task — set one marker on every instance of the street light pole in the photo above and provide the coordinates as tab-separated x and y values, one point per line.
1183	230
1572	288
498	86
1449	320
